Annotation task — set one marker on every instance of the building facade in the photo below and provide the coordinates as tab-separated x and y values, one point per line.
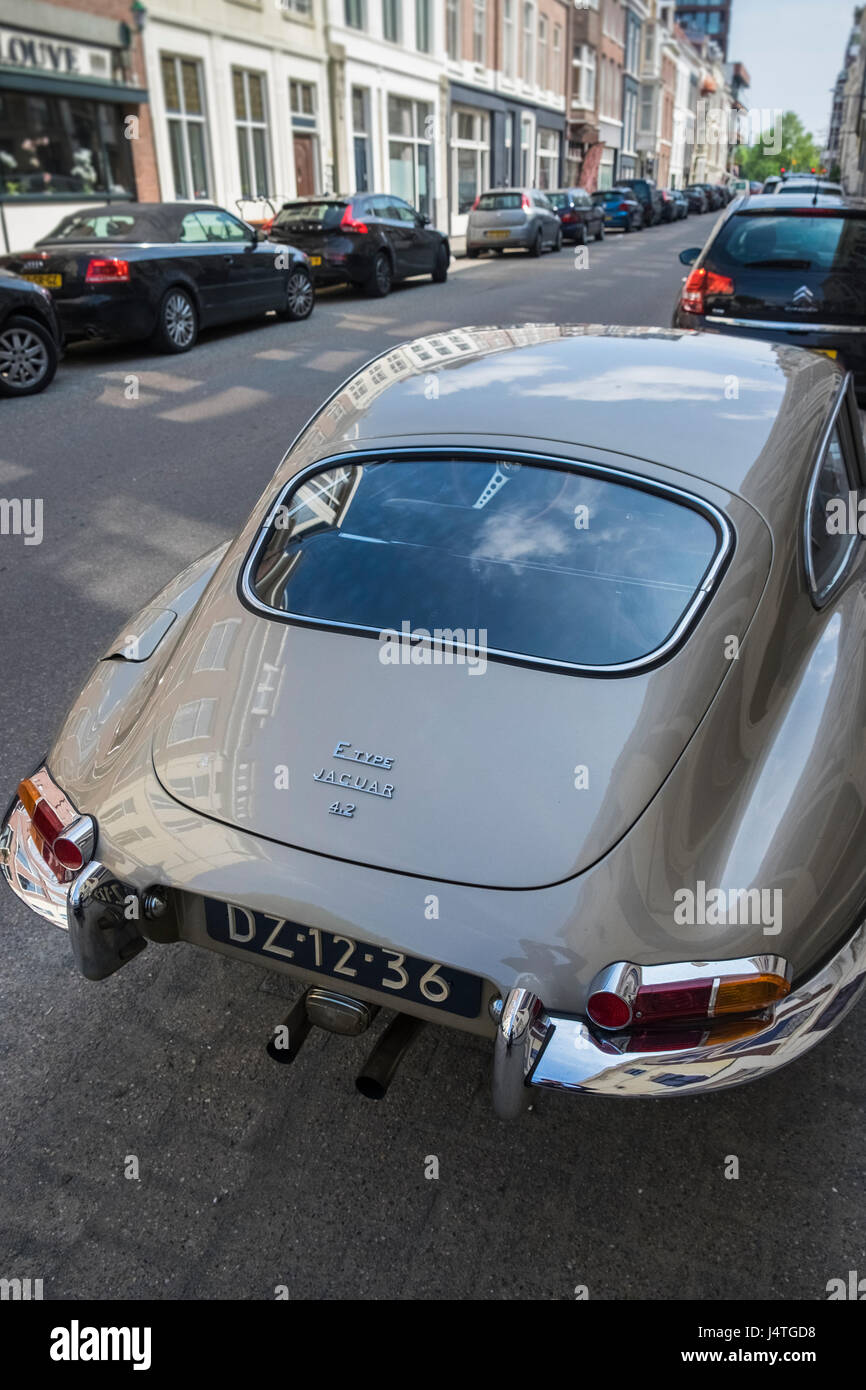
506	73
712	19
75	125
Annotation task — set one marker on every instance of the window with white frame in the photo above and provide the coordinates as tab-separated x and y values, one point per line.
183	91
647	107
556	82
541	76
583	94
251	125
410	157
479	30
547	159
510	121
649	39
391	20
629	119
355	13
470	155
528	69
361	140
423	26
452	28
302	98
526	170
301	7
509	40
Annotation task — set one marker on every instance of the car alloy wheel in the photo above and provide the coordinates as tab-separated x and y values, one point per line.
557	245
599	236
382	278
299	295
179	320
24	359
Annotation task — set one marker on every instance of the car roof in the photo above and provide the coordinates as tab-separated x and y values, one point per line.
650	394
771	202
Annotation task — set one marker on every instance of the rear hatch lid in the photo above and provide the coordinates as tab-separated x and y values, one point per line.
436	667
805	266
499	210
310	225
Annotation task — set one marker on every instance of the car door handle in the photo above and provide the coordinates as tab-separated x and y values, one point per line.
229	260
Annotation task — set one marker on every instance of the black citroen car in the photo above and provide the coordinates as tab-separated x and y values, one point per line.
162	271
788	270
369	240
31	341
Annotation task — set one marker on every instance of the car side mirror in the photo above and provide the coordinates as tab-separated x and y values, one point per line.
689	257
423	219
259	234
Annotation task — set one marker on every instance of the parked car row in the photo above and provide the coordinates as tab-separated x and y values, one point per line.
162	272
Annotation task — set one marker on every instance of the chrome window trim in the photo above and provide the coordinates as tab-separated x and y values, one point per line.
723	527
786	325
821	597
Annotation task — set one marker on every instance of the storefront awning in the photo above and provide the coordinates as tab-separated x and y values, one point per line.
91	89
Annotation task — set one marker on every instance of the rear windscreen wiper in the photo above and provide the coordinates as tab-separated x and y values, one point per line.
791	264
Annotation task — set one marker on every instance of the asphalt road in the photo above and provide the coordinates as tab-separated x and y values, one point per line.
253	1176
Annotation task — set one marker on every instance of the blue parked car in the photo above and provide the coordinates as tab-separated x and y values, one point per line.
621	209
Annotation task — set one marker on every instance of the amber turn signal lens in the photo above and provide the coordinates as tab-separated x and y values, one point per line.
748	994
28	795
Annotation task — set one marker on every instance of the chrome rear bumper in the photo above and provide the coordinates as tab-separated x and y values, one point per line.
534	1048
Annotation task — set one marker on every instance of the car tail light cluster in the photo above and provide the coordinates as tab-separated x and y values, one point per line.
525	203
699	285
622	207
107	271
349	223
65	839
625	996
569	217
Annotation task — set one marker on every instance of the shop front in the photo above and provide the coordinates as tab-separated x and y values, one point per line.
74	124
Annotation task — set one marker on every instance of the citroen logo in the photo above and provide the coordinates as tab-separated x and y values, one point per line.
803	297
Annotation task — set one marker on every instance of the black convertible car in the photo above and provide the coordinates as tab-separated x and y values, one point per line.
162	271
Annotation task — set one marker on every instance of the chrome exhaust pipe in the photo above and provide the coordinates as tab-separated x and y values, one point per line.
289	1036
382	1063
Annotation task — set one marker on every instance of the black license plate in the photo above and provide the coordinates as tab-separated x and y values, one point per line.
343	958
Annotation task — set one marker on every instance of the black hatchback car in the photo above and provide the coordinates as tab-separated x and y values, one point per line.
369	240
162	271
31	341
581	218
649	197
788	270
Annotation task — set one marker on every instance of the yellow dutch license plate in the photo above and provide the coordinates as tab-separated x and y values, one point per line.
315	260
497	234
827	352
48	282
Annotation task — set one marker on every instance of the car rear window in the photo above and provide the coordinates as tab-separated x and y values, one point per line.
799	239
824	190
560	200
499	202
556	566
114	226
324	214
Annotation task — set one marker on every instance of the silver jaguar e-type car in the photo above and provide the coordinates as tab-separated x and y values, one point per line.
530	700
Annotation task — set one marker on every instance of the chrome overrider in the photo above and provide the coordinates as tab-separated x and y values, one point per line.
535	1048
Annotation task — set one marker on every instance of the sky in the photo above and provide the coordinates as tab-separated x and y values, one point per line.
793	50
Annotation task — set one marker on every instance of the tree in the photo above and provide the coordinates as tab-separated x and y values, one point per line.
799	153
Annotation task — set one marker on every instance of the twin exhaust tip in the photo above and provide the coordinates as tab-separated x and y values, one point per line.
338	1013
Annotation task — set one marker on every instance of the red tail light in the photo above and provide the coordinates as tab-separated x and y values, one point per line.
475	204
350	224
703	282
569	217
107	272
525	203
622	207
626	996
64	838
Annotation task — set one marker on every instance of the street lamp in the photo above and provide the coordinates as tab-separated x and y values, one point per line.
139	14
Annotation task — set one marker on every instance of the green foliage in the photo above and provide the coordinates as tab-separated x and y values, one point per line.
799	152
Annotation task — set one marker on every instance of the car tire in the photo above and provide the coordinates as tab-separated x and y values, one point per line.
440	268
29	352
557	244
627	228
382	278
300	295
537	246
599	236
176	322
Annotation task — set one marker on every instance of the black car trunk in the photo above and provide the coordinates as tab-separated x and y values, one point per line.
805	266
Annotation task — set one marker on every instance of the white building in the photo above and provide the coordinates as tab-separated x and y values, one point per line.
239	98
389	100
